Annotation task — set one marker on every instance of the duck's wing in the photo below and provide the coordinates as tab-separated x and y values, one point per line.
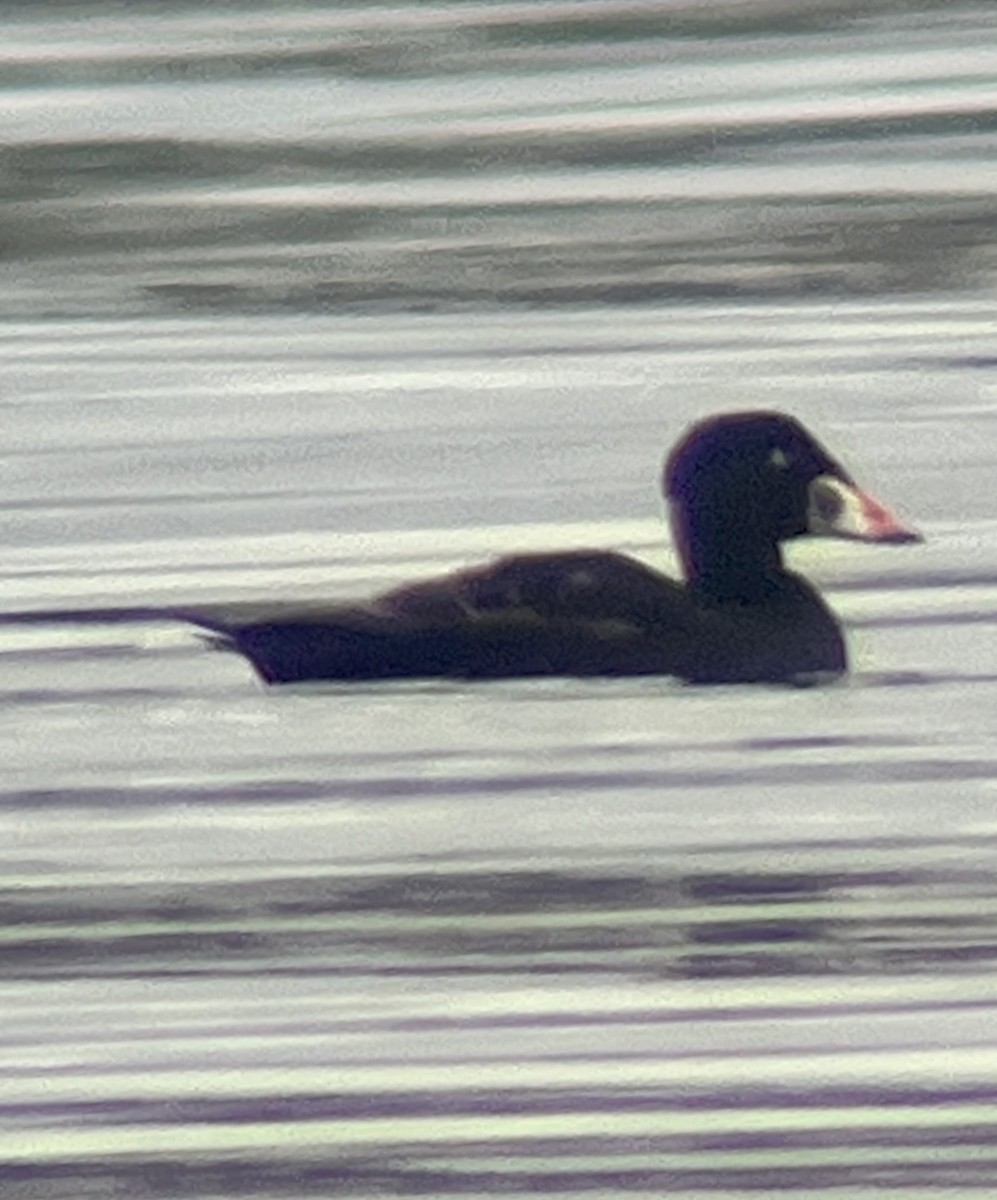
574	613
581	585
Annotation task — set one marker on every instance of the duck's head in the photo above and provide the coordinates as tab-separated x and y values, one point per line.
742	483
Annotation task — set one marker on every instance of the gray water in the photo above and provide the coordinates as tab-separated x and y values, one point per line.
304	301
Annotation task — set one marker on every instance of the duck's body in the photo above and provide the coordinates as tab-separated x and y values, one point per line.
577	613
739	486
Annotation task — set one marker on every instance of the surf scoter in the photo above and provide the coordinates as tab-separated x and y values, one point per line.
738	486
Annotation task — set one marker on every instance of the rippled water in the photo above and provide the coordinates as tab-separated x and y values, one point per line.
303	301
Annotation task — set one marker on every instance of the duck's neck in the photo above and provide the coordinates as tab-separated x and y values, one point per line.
729	565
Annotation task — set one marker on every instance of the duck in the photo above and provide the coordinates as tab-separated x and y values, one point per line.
738	486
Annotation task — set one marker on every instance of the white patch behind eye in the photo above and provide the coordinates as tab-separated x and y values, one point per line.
779	458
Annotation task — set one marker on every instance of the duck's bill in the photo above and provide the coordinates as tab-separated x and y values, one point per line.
839	509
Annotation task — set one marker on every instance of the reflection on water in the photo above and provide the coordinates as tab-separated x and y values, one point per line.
702	925
482	156
474	1030
478	1031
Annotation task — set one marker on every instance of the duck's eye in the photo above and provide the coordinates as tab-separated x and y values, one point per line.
779	459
